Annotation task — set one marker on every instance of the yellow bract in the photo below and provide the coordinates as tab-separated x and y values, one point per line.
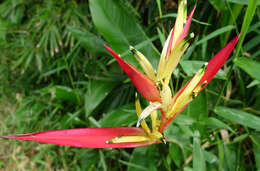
139	111
127	139
180	21
163	61
173	61
166	96
187	95
145	64
169	61
154	134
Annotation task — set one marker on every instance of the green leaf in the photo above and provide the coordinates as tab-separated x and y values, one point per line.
220	154
178	135
198	156
132	165
253	83
97	91
256	148
120	29
210	157
215	33
246	23
176	154
184	120
218	4
252	43
215	123
249	66
239	138
89	41
102	160
123	116
145	158
230	156
61	93
64	93
238	116
242	2
198	108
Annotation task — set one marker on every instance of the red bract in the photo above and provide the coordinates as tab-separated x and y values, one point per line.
218	61
142	83
86	137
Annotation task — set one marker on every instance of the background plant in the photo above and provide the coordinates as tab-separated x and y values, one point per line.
56	74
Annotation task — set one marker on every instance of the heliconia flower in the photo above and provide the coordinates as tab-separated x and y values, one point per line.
152	86
118	137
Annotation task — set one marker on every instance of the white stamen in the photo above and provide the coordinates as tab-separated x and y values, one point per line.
147	111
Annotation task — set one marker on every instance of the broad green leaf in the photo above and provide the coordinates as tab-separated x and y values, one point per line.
145	157
97	91
242	2
120	28
238	116
215	123
123	116
249	66
91	42
178	135
184	120
65	93
176	154
198	160
62	93
198	108
215	33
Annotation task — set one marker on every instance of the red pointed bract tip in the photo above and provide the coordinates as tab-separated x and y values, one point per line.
218	61
85	137
142	83
213	66
187	25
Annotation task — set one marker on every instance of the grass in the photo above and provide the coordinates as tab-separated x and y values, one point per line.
55	74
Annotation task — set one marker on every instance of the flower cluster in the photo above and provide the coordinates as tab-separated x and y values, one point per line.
152	85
